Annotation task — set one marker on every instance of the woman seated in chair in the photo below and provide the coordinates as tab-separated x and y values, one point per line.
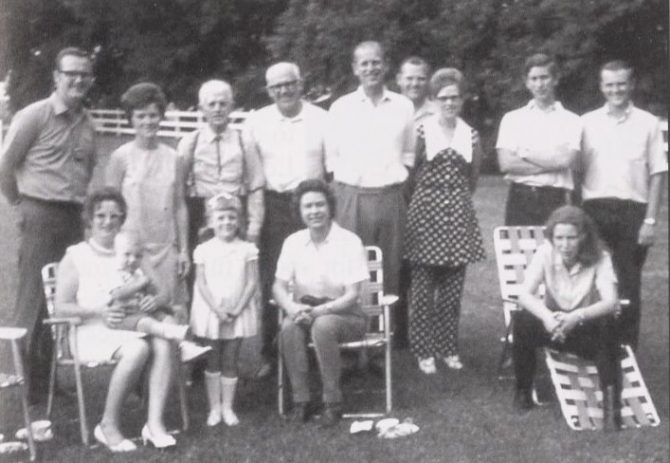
325	267
86	275
577	311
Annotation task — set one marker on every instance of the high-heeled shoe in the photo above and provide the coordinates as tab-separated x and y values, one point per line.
124	446
162	441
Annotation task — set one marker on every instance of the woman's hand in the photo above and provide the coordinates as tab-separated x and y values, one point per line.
113	314
569	321
148	304
300	313
551	322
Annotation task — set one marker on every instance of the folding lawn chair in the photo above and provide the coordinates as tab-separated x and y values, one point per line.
17	379
66	354
514	248
376	306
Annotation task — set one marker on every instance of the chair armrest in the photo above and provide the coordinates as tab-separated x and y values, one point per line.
511	301
72	321
9	333
389	299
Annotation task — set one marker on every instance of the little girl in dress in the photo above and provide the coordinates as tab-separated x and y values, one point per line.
224	303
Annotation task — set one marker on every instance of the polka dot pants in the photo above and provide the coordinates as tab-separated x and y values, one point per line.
435	306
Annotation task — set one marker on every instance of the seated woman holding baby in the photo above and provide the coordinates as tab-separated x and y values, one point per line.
101	281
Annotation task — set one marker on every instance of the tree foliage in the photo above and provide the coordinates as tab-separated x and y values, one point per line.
179	43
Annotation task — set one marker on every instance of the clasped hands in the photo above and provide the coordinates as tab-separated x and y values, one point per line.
560	324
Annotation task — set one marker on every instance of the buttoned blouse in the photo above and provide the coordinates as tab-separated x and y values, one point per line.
230	170
53	149
291	149
324	269
370	145
568	289
621	154
535	129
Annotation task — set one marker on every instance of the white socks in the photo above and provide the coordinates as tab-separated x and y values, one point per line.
228	386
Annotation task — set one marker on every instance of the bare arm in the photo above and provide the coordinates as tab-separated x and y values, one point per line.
256	208
206	294
510	163
340	305
21	135
646	234
605	306
181	217
250	288
280	291
477	155
65	300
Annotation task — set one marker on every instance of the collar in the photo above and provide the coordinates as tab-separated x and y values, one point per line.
58	105
209	135
334	227
558	262
623	117
555	106
297	118
363	98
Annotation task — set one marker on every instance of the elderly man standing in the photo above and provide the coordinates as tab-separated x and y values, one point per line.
624	170
45	169
412	79
217	162
537	145
370	149
288	137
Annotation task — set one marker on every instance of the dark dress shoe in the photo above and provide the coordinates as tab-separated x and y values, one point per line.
332	414
523	400
300	413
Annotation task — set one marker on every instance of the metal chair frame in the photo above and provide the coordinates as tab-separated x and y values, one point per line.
15	336
66	354
377	308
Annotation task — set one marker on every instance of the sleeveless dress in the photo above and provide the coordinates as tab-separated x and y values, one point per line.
225	272
97	277
442	228
149	187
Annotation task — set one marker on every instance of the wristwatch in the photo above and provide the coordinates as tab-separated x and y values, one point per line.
650	221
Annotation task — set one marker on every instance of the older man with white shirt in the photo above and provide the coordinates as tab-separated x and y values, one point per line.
288	137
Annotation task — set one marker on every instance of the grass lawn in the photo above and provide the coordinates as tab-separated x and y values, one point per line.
464	416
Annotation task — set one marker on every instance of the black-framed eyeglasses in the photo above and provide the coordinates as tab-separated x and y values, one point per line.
75	74
290	85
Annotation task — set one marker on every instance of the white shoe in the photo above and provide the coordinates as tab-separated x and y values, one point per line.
175	332
427	366
190	351
124	446
162	441
230	418
214	417
453	362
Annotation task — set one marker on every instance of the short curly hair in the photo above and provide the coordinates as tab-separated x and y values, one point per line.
142	95
97	197
316	186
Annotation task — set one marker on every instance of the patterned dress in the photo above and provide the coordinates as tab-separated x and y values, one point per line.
442	236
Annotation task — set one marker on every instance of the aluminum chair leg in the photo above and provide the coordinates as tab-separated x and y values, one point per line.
387	378
83	421
53	371
281	400
181	389
18	366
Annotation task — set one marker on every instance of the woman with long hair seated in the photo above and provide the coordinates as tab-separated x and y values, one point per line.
577	311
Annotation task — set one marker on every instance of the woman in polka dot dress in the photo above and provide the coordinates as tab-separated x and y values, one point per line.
442	234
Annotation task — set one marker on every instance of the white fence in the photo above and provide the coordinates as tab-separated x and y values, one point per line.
175	123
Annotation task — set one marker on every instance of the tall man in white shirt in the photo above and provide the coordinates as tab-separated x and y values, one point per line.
624	170
537	145
370	149
289	138
412	80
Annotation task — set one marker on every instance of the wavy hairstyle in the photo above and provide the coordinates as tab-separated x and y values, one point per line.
591	247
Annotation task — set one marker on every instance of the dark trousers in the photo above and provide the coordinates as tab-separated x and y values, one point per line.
595	340
278	224
619	223
46	229
528	205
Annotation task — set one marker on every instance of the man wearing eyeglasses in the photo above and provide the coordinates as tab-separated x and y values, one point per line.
46	165
288	136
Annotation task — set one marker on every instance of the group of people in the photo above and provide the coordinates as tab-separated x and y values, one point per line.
192	244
